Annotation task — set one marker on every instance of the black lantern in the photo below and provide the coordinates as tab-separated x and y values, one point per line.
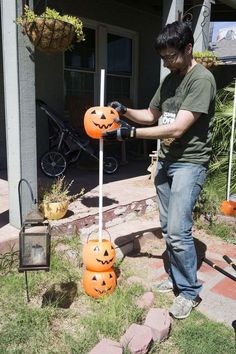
34	242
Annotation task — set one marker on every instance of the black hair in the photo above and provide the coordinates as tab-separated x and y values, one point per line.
176	35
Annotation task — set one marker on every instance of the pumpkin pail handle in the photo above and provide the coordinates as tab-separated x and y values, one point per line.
103	230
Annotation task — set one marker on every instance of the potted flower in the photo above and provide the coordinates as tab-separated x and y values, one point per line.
55	200
206	58
50	31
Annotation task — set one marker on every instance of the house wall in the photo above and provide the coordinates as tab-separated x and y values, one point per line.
49	68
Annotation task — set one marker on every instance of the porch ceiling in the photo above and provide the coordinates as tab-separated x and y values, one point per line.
220	11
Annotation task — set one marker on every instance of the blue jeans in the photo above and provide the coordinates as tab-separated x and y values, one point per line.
178	185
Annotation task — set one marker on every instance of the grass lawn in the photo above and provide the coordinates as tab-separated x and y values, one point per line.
27	328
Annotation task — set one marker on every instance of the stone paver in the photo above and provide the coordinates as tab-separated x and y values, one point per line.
107	346
146	300
137	338
160	322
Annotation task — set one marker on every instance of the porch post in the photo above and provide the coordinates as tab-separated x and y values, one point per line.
172	11
19	96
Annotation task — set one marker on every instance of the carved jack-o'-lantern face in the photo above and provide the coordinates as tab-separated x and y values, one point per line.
98	120
98	284
98	256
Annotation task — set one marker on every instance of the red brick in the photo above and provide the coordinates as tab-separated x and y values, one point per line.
161	277
226	287
205	268
157	264
229	250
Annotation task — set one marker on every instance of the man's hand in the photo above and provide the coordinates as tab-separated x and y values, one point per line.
119	107
124	132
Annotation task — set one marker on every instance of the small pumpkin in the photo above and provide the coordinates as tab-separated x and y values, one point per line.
98	120
228	207
98	255
98	284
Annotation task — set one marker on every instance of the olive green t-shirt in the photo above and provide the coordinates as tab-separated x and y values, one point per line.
194	92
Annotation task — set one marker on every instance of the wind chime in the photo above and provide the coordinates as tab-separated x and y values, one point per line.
99	277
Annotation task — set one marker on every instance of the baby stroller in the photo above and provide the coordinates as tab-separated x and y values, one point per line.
66	145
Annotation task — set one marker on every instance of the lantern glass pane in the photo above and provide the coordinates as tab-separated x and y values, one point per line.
35	250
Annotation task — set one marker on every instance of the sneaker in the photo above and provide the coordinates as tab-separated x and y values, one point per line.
164	287
182	307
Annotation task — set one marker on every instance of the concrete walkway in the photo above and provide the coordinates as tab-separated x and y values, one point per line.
131	218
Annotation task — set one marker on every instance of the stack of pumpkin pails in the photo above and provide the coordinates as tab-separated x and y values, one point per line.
99	277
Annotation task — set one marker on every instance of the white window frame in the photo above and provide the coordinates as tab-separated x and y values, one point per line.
101	31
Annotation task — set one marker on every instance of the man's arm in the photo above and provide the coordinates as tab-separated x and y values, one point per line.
143	116
182	123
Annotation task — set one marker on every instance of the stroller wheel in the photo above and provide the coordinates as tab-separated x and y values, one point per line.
110	165
53	163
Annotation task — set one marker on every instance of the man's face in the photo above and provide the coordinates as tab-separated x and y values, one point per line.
175	60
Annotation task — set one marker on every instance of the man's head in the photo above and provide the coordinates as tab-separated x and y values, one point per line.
175	45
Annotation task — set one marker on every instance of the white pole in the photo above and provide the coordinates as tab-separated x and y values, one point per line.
102	85
231	145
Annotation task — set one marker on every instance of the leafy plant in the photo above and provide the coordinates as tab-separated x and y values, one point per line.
207	205
60	192
221	137
214	190
8	261
31	17
206	58
204	54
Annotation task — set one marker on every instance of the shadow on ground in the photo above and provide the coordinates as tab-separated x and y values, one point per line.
136	238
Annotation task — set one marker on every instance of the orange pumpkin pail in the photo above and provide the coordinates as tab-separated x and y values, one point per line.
228	207
98	284
98	256
98	120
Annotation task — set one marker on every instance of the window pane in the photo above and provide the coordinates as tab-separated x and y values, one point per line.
79	83
117	87
119	55
82	56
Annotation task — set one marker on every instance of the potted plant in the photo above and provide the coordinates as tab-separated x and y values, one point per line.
55	200
50	31
206	58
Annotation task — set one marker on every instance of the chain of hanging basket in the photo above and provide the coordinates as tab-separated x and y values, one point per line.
49	35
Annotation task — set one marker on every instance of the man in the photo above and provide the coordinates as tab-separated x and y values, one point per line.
184	106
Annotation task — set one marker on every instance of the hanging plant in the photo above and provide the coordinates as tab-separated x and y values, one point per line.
50	31
206	58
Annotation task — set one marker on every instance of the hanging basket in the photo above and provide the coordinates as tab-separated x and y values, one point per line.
49	35
208	62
